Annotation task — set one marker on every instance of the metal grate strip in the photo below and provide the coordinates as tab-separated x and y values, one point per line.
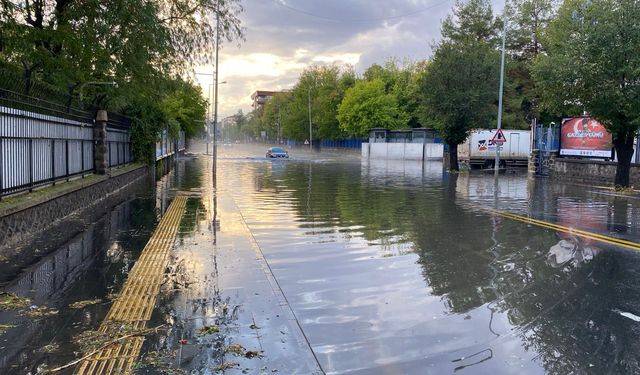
137	298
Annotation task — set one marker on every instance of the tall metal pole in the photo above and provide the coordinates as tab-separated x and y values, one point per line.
310	131
279	123
215	99
504	37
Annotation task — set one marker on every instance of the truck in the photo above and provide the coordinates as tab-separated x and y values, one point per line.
479	151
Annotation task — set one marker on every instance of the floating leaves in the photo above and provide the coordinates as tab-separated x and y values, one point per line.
9	301
208	330
5	327
85	303
40	312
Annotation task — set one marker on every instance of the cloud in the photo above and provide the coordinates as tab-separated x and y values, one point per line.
285	36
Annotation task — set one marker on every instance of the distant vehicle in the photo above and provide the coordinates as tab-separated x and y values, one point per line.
277	152
479	151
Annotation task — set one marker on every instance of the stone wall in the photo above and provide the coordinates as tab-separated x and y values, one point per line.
591	172
18	227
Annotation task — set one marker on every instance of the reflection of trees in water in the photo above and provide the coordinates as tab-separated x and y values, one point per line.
340	197
563	312
568	317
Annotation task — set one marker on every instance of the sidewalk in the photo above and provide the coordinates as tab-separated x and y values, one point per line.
231	315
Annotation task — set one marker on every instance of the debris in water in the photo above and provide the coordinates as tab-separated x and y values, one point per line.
85	303
40	311
159	362
629	315
9	301
51	348
236	349
254	326
252	354
225	366
5	327
208	330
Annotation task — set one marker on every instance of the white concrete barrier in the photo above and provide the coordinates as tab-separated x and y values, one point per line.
433	151
403	151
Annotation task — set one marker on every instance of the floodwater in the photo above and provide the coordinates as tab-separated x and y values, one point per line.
388	267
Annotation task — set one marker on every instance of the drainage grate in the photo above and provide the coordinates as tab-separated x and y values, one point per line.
138	297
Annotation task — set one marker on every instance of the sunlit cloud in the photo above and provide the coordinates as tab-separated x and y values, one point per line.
281	42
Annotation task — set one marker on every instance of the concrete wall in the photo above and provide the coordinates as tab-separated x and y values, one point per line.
17	227
592	172
403	151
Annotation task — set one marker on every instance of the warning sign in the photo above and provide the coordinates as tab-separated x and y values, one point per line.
499	137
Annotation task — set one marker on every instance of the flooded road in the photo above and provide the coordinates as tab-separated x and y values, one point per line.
382	268
399	268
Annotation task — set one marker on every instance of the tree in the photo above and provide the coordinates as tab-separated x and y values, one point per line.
459	91
400	80
527	21
271	119
144	46
592	64
472	21
185	109
321	88
366	106
460	86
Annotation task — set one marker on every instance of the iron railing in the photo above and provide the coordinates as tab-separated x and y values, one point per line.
38	149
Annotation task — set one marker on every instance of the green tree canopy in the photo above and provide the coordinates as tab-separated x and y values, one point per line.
367	106
460	86
143	46
592	63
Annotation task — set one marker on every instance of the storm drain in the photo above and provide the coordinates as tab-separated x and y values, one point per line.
135	304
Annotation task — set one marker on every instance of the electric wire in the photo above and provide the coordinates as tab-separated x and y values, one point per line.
361	20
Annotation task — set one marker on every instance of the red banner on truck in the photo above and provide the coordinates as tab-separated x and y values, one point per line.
585	137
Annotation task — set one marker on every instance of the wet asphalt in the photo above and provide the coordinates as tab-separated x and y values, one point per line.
328	263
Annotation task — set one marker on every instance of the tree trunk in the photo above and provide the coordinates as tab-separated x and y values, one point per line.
624	151
453	158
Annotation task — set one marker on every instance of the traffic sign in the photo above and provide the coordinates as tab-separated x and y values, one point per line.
499	137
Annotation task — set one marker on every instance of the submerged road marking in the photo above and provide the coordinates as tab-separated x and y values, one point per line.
137	298
574	231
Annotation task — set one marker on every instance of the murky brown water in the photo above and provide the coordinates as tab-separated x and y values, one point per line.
390	267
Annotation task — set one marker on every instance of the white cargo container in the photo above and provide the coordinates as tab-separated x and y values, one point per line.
479	151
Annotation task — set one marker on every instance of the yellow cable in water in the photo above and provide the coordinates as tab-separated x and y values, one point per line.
564	229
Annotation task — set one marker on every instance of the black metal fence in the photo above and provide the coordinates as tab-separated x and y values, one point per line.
45	137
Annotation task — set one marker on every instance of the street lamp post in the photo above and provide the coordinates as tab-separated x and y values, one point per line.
215	98
310	131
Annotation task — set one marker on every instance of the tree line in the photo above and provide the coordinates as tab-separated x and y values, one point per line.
143	48
563	58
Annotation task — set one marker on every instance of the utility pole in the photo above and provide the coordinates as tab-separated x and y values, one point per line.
310	131
496	166
279	122
215	99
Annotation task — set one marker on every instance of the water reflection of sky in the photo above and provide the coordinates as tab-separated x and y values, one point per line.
399	268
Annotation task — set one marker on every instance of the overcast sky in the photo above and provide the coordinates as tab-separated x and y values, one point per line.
285	36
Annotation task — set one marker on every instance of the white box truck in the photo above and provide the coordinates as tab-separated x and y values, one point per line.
480	152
